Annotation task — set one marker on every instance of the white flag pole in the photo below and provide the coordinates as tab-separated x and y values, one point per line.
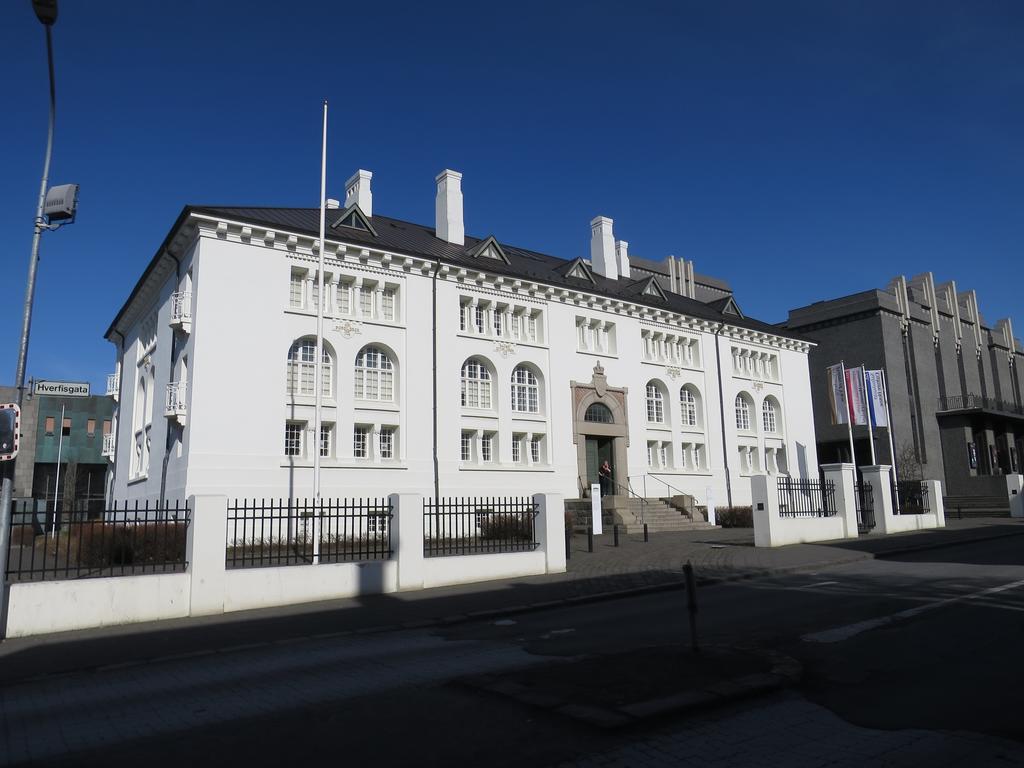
849	413
868	405
318	385
892	442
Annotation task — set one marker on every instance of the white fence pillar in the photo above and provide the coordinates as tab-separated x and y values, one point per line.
881	492
407	538
764	494
207	551
933	501
1015	492
550	527
844	478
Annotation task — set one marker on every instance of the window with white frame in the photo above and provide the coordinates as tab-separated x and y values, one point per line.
663	455
463	309
688	407
297	289
487	447
343	298
525	390
517	449
302	369
536	449
293	431
478	319
517	326
366	300
655	404
532	327
769	418
361	441
387	303
326	434
374	375
476	384
466	445
742	413
684	456
386	439
650	454
497	316
595	335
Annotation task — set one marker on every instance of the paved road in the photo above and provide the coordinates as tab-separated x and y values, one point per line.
909	661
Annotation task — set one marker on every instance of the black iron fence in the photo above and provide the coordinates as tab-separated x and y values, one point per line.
474	526
800	497
864	498
967	402
272	532
119	540
909	497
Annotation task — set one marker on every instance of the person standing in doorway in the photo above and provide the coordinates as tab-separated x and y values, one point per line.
604	475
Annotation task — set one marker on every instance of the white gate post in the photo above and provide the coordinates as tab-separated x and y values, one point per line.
764	493
881	492
206	550
933	501
844	478
550	527
407	538
1015	493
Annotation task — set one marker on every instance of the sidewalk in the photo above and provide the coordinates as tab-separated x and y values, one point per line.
633	567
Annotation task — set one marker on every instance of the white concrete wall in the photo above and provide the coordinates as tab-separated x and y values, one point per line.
773	530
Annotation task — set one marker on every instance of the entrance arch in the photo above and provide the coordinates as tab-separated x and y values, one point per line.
600	432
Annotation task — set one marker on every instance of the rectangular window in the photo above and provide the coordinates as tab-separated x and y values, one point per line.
315	289
325	440
517	327
106	426
90	427
535	453
296	290
650	454
486	444
462	317
51	424
517	449
466	446
366	301
531	328
497	315
388	304
663	455
478	318
66	426
387	442
343	299
360	442
684	452
293	438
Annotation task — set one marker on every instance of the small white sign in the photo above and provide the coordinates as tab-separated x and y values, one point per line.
711	507
595	508
62	388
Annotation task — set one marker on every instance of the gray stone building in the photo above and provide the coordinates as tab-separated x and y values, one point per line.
955	386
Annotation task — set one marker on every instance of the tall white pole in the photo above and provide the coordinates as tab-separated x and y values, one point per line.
318	418
892	442
56	487
849	415
867	395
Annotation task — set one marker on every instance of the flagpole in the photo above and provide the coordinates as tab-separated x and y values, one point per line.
892	443
869	409
849	415
318	385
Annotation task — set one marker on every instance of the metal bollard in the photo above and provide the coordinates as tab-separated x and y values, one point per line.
568	545
590	538
646	537
615	533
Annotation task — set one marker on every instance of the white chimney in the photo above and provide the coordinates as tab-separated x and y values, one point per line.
332	204
448	208
602	248
357	190
622	257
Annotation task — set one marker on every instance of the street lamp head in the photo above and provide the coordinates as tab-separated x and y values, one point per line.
46	11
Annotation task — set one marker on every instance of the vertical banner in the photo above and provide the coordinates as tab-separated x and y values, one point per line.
856	396
877	398
837	395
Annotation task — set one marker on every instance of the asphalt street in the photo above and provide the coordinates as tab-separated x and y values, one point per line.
908	661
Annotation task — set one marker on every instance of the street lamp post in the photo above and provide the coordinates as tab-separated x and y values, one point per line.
46	12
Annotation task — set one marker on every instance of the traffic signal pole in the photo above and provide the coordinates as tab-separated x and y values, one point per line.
7	489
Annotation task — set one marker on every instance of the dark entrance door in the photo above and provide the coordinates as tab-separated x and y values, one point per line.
600	450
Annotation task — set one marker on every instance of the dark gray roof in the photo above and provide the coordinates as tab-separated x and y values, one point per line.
418	240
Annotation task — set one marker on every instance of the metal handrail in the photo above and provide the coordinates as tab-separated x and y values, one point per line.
669	486
629	491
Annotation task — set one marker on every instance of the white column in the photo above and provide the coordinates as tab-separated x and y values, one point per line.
473	304
1015	493
844	477
765	497
550	530
205	549
407	538
357	297
529	449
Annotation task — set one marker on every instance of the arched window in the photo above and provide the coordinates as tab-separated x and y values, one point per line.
769	415
742	413
655	404
476	384
302	369
374	375
525	390
599	413
689	407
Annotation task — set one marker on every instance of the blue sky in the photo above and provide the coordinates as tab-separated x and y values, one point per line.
799	150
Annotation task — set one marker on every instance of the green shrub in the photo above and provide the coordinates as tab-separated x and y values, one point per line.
735	517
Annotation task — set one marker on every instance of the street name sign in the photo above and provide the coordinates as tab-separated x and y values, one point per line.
62	388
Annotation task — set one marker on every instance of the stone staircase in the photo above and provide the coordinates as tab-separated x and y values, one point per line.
660	514
976	506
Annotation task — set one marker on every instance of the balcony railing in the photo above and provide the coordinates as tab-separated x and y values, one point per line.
967	402
181	309
176	404
114	384
109	444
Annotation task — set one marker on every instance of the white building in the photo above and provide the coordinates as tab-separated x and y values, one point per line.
452	363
